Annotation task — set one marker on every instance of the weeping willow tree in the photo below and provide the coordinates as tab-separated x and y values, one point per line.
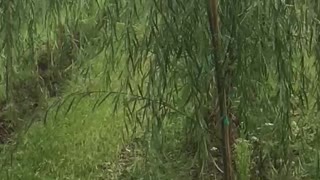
264	62
207	68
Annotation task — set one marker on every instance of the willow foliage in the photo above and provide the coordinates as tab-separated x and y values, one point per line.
268	50
161	52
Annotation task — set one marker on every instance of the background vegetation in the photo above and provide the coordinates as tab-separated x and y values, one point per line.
114	89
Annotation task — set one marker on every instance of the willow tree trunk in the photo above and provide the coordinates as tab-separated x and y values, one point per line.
221	87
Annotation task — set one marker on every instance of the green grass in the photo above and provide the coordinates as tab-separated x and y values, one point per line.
70	147
85	144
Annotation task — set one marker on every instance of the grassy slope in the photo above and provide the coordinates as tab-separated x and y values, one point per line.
71	146
85	144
